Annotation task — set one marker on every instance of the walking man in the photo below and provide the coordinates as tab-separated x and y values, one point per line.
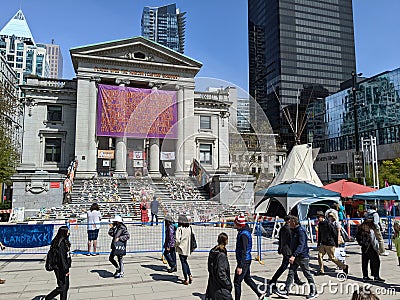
327	241
243	258
285	237
154	210
300	258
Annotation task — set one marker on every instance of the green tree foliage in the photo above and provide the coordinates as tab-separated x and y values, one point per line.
8	158
389	170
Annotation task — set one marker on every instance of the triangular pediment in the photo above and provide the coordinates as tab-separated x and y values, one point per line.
137	49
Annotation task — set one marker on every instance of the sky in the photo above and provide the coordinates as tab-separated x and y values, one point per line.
216	31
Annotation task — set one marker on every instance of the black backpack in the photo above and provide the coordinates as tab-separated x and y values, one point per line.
363	238
51	259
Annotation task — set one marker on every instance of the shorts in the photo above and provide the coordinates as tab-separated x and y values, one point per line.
93	234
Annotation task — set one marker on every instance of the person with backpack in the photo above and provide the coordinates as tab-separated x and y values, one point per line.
120	236
327	242
369	250
183	246
285	237
59	260
219	285
243	258
169	244
372	214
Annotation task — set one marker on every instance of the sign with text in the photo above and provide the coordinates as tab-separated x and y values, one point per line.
105	154
167	156
26	236
136	113
54	185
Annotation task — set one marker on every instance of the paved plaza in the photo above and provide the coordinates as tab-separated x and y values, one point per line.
146	277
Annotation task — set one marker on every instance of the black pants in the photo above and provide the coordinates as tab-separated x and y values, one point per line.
370	255
304	264
283	267
152	218
237	281
62	286
170	256
120	265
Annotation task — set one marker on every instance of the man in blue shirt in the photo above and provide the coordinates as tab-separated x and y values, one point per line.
300	258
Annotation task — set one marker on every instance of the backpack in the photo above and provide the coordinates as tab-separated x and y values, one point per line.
363	238
193	242
51	259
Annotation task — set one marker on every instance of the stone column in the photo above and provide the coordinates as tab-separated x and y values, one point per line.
120	145
180	159
154	170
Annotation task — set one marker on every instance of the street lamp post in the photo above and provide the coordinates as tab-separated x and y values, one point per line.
356	133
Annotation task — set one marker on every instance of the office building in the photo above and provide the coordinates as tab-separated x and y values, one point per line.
295	44
21	52
165	25
55	59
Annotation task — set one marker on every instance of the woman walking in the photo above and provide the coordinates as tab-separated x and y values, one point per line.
182	245
93	223
219	285
369	250
119	233
169	244
62	246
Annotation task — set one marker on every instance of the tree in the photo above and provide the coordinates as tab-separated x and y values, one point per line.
390	170
9	157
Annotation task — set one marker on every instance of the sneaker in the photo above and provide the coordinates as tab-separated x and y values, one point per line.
116	272
94	254
319	273
312	295
346	269
378	279
283	294
174	269
366	279
119	275
88	254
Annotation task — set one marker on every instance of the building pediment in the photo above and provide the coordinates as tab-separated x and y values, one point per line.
133	50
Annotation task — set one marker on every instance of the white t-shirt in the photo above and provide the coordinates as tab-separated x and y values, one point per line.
93	219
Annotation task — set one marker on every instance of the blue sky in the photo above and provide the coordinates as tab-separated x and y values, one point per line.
216	31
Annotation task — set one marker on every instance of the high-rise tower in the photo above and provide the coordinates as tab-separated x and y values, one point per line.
296	45
165	25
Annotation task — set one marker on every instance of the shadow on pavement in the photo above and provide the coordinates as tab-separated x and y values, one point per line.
162	277
200	295
157	268
103	273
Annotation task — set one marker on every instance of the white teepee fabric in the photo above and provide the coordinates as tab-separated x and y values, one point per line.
299	167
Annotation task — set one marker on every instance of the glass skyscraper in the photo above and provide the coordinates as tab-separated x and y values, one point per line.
165	25
298	49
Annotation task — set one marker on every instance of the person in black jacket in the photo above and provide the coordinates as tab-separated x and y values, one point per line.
219	285
118	232
327	241
285	237
63	264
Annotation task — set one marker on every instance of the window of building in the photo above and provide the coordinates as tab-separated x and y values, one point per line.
205	122
54	113
205	154
52	150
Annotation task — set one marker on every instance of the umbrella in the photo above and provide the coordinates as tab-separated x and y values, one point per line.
389	193
348	188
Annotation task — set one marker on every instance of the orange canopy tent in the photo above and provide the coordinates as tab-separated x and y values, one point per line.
348	188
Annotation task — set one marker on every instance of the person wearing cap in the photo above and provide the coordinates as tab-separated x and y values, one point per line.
327	241
182	246
118	232
243	258
300	258
285	237
169	244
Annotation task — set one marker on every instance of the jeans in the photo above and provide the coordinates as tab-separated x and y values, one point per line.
185	266
237	281
62	286
152	217
284	265
120	265
370	255
170	256
304	264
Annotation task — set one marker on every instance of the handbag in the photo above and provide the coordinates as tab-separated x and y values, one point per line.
193	243
119	248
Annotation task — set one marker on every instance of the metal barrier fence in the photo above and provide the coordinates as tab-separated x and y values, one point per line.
146	238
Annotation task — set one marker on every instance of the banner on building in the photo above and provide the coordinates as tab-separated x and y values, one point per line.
105	154
167	156
136	113
26	236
